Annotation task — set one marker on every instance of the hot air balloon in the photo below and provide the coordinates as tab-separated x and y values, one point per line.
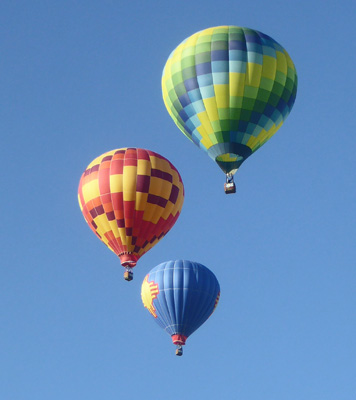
130	199
180	295
229	89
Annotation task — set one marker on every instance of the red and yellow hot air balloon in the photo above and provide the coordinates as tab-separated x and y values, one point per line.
130	198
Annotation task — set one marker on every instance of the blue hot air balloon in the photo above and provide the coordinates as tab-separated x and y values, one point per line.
180	295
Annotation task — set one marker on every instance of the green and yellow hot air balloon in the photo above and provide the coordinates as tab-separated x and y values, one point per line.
229	90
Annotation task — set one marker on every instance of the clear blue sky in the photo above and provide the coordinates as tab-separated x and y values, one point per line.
79	78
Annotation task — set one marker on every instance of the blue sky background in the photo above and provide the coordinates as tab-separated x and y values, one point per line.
79	78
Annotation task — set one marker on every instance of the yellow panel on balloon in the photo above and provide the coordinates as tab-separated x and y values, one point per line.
237	81
129	183
91	190
269	67
253	74
222	96
210	106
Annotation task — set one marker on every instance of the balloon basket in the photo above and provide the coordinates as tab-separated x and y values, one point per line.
179	350
230	188
229	185
128	275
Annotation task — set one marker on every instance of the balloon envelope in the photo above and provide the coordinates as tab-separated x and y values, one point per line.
180	295
130	198
229	89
